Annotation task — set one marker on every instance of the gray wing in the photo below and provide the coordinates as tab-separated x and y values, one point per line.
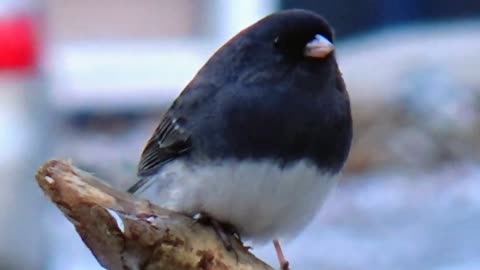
168	142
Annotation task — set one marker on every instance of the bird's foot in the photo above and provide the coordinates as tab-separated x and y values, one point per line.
224	231
284	265
239	239
246	248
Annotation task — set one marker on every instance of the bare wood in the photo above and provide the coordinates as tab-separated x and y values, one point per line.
143	236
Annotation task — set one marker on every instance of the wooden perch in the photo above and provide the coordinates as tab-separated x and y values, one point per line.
128	233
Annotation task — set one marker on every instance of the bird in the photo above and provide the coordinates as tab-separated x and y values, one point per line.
257	138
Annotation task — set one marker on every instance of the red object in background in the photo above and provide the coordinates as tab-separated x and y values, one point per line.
18	43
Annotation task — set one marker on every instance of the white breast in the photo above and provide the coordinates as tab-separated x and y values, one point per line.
261	200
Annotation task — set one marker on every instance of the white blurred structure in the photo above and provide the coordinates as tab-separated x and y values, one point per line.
108	74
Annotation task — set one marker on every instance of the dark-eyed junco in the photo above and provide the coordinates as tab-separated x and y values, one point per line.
256	138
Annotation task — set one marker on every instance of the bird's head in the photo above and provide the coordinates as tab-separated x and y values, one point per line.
297	41
295	34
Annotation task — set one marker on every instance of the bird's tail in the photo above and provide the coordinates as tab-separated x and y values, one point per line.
142	184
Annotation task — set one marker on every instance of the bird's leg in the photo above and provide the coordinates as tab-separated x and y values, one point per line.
284	265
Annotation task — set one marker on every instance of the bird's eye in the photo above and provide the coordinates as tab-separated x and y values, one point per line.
276	42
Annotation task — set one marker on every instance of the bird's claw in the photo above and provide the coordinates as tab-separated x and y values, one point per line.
223	231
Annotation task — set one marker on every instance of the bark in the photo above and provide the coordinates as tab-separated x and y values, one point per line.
124	232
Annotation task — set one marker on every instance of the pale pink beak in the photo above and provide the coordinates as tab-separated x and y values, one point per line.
319	47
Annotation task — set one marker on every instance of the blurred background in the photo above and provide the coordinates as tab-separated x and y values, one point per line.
89	80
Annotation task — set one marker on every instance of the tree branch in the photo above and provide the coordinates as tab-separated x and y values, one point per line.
124	232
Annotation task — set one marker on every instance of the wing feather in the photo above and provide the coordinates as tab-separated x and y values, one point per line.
168	142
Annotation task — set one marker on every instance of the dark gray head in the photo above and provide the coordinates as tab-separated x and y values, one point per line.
289	40
296	33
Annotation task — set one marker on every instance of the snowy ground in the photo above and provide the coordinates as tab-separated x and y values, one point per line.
378	221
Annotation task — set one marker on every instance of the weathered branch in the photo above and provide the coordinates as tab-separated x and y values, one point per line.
127	233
